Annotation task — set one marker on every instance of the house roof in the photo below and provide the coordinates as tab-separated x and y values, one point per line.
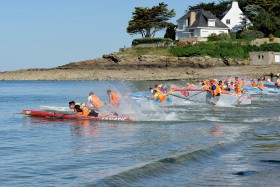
201	19
226	11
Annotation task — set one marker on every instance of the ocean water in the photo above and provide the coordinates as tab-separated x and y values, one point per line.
188	145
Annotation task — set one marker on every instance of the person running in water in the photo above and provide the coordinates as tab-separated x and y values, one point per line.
94	101
114	98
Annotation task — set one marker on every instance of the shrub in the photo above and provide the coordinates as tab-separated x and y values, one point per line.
233	35
232	50
138	41
277	34
270	47
187	51
222	49
224	36
215	50
209	49
213	37
250	48
238	34
251	34
271	37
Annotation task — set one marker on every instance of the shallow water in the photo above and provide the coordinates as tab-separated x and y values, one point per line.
187	145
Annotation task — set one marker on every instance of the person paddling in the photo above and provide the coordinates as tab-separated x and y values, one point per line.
94	101
260	85
113	98
82	110
215	89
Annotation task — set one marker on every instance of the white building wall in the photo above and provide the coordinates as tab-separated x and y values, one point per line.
207	32
181	34
234	15
277	58
199	32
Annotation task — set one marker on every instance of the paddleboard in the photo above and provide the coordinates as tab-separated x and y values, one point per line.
70	116
56	109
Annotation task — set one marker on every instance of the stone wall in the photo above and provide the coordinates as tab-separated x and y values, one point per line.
260	41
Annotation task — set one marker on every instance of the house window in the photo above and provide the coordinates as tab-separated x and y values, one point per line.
189	21
211	23
191	34
227	21
180	26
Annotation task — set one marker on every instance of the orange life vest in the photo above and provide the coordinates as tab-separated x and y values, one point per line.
160	97
238	89
191	86
254	84
222	86
261	85
114	98
79	111
96	102
218	90
206	87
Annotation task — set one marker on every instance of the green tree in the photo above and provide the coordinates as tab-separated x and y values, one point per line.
266	4
216	9
244	23
275	9
266	23
170	31
253	10
147	21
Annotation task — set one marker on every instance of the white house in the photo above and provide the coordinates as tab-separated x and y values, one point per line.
199	23
232	17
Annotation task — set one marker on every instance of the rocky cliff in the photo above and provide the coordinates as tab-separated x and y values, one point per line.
118	61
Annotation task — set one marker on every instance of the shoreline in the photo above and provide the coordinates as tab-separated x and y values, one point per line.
139	73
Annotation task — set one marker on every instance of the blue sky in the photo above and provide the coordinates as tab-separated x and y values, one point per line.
50	33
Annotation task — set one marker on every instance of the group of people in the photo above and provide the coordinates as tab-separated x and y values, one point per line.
215	87
230	85
97	104
160	93
222	86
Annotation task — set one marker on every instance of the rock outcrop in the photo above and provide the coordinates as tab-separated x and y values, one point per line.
115	61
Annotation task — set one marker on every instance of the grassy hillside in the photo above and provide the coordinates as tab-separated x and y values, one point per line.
236	50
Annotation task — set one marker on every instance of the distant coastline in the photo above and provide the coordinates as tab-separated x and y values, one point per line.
145	67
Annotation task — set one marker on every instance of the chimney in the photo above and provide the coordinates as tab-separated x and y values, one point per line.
235	4
192	17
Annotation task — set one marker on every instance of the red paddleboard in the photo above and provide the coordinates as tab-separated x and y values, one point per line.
70	116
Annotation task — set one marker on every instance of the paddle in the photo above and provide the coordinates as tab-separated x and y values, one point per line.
185	98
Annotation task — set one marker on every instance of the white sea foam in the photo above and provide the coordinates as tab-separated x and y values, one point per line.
258	120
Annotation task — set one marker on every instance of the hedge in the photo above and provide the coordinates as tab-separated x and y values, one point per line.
216	50
151	41
251	34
